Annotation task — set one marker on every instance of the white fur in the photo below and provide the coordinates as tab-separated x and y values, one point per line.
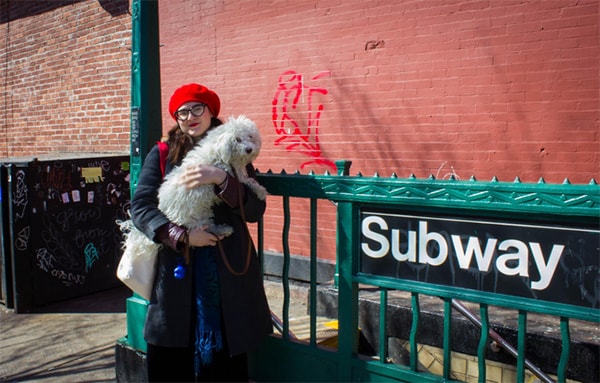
230	147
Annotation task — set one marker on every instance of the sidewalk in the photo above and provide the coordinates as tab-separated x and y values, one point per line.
70	341
74	340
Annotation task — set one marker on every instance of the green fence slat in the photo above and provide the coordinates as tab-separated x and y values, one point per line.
383	349
416	315
313	272
483	341
286	267
521	341
447	337
564	354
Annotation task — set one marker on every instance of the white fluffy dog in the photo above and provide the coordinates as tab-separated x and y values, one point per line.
230	147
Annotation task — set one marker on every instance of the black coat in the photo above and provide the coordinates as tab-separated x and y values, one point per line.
245	311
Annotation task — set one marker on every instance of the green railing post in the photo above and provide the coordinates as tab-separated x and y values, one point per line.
145	123
343	169
348	290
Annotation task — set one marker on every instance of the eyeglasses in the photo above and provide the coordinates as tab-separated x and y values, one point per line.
196	111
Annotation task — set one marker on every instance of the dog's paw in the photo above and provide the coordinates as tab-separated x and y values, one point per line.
259	190
221	230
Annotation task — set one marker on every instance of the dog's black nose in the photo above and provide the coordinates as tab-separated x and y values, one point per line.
248	150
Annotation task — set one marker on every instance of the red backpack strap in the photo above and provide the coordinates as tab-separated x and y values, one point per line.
163	150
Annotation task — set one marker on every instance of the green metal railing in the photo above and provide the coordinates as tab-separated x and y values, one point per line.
285	359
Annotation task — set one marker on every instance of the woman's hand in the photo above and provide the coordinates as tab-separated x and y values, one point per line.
195	176
200	237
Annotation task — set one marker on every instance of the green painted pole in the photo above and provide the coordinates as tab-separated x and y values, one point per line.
146	117
146	126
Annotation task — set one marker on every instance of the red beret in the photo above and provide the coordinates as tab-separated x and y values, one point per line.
194	92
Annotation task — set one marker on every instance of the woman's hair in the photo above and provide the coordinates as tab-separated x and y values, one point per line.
181	143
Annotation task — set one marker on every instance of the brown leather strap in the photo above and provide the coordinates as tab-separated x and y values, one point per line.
249	250
186	247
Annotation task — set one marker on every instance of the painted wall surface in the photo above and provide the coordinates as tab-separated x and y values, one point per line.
484	88
65	68
446	88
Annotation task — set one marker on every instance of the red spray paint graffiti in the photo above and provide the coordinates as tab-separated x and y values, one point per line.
294	137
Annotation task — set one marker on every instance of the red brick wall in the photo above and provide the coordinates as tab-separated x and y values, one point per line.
465	88
484	88
65	77
487	89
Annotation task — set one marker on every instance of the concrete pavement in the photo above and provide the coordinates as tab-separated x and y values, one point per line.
74	340
70	341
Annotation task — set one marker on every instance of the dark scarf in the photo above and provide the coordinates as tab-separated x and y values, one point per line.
208	335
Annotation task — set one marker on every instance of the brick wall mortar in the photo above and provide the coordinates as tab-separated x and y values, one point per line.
412	86
506	89
67	78
487	89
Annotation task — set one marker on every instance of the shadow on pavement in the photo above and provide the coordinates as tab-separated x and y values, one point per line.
107	301
66	341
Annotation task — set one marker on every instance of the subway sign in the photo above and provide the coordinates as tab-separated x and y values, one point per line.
549	263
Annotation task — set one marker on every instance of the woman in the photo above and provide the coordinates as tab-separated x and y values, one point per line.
200	324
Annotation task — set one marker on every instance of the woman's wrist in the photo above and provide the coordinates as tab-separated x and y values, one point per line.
223	184
177	237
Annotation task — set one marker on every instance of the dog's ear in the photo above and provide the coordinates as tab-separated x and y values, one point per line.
224	145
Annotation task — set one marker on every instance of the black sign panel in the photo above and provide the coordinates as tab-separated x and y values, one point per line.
66	241
549	263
